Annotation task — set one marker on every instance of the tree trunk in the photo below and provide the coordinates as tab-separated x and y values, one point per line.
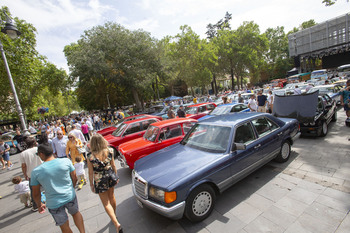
241	82
154	92
157	88
215	86
232	77
136	98
192	91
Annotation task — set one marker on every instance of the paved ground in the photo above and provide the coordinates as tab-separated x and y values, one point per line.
309	193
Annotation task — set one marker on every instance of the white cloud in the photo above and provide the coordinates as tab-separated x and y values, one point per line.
61	22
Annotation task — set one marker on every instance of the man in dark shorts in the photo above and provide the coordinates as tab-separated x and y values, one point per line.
58	178
345	101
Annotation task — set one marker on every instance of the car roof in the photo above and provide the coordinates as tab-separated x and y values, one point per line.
198	105
172	121
232	119
140	119
230	104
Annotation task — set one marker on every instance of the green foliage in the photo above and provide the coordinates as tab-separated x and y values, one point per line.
31	73
112	60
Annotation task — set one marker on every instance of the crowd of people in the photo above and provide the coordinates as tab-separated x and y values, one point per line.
55	160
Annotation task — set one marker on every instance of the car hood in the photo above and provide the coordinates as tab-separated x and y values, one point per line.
164	167
136	144
112	128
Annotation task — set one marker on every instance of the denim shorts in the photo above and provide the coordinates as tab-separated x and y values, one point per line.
60	215
346	106
6	156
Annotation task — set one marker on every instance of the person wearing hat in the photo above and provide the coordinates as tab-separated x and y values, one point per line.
181	112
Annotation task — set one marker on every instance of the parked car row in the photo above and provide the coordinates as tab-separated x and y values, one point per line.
180	165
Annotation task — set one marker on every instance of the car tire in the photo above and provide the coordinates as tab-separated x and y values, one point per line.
284	153
13	150
334	117
324	129
200	203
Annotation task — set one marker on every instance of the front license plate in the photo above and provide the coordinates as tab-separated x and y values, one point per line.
140	203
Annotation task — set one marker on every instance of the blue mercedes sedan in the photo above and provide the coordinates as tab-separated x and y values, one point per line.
185	178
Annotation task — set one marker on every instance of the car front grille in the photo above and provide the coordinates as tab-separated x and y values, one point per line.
140	186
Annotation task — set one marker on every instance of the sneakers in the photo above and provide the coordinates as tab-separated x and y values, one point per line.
34	209
9	168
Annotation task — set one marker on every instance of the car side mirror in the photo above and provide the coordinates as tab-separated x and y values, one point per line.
239	146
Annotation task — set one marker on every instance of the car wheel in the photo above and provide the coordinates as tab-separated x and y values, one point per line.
13	150
334	117
324	129
284	154
200	203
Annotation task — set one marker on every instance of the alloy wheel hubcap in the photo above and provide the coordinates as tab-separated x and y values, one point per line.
202	203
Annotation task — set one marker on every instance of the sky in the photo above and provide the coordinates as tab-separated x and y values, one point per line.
62	22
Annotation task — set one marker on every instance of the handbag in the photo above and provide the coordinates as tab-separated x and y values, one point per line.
81	150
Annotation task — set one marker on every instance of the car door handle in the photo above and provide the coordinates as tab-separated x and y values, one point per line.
256	147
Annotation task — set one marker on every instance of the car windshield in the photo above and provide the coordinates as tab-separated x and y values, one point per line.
151	133
191	110
209	138
120	129
221	110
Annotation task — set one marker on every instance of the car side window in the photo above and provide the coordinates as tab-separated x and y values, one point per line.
170	132
145	124
187	126
236	108
202	109
210	107
133	128
244	134
262	126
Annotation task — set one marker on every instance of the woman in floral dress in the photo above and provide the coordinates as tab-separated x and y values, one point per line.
103	176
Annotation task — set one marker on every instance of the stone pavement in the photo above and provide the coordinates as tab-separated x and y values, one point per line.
309	193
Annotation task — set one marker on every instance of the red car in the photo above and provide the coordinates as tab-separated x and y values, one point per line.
158	136
110	129
197	111
129	130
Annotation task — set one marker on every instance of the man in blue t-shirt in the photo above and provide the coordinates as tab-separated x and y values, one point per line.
58	178
345	99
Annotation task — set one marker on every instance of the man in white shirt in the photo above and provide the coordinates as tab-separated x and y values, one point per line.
97	122
297	91
59	144
252	104
29	161
78	134
89	124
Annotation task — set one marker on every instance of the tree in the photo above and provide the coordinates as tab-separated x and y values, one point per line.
212	29
330	2
112	60
30	71
277	55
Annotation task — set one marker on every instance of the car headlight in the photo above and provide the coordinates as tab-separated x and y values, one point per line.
312	123
160	195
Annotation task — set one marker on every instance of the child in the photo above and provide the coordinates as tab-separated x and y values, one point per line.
5	155
79	168
22	187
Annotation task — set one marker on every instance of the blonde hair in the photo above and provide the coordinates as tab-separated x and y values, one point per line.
99	145
73	135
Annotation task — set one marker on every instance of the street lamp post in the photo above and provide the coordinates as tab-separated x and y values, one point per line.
11	30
